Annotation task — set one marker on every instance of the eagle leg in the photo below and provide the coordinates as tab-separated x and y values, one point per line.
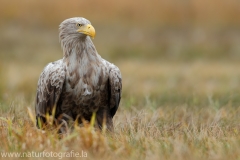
104	118
65	123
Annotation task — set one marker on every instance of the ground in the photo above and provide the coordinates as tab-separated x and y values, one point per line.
188	111
181	79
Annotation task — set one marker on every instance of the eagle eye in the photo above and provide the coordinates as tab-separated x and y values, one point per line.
79	25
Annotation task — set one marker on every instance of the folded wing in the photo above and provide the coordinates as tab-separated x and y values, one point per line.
115	85
49	89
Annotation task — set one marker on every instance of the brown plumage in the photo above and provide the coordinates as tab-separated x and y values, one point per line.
79	84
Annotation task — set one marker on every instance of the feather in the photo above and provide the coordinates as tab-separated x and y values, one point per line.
49	89
80	84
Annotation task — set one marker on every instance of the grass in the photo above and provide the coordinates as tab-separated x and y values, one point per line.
180	68
169	111
182	132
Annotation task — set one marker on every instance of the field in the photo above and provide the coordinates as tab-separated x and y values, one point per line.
180	64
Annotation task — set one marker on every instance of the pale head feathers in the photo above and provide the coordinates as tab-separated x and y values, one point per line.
69	37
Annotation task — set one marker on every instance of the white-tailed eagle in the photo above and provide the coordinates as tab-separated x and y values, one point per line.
80	83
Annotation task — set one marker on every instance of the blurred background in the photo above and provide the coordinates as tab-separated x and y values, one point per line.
170	52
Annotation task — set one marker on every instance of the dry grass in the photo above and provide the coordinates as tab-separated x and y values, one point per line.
180	68
183	132
168	111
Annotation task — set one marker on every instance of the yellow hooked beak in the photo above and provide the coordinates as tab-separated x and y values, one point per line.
87	30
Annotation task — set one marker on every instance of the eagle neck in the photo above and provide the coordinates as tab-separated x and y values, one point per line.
80	53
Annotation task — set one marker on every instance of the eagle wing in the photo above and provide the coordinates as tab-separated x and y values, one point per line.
49	88
115	88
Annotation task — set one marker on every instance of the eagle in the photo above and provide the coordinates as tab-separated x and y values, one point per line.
80	84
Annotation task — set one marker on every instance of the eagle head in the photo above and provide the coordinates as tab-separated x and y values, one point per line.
77	27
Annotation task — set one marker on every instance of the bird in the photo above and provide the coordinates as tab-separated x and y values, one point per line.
80	84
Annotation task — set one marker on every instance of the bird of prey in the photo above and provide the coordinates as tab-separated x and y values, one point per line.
79	84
